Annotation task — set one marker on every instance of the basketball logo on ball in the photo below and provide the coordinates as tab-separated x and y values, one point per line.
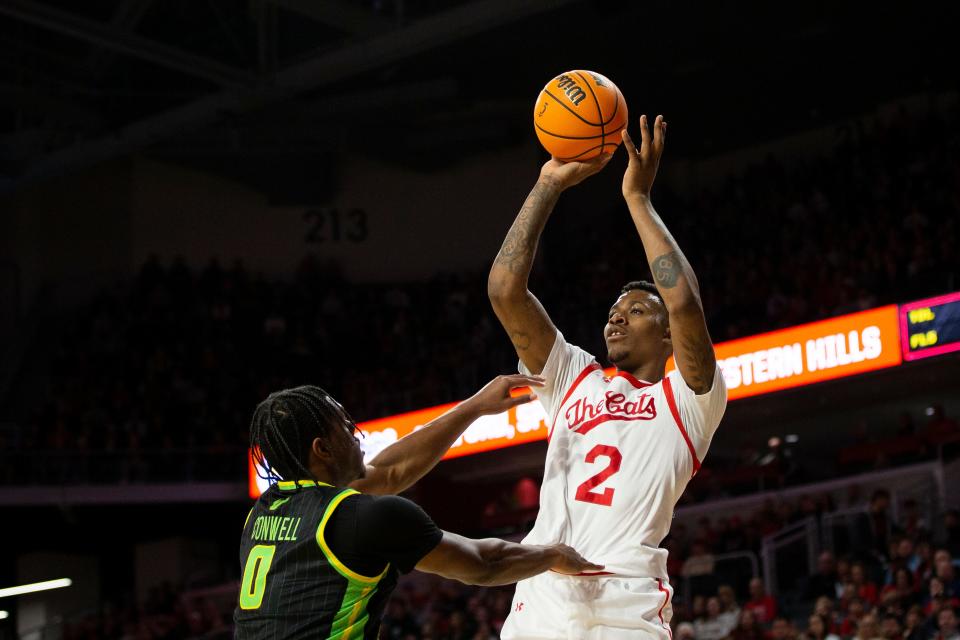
579	115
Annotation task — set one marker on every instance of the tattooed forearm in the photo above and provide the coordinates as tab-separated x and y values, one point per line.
694	353
521	314
680	292
520	245
666	269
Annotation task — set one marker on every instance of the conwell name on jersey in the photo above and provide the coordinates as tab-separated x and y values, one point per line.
582	416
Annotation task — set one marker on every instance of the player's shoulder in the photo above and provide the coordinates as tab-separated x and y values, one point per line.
387	505
379	514
364	503
718	386
570	348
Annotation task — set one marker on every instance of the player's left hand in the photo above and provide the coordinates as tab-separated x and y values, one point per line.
642	168
495	397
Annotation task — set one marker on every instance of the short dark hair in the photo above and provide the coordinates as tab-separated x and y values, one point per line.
642	285
284	427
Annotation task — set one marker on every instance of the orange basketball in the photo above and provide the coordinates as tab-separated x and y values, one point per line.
579	115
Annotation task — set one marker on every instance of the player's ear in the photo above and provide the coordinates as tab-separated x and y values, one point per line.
320	449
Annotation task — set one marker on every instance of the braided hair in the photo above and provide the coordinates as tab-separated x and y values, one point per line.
284	427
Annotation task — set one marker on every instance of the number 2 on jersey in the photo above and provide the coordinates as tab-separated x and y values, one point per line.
586	492
254	582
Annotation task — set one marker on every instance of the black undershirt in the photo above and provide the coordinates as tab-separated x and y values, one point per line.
367	532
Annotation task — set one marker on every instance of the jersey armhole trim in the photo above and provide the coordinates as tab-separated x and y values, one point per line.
590	368
668	392
334	561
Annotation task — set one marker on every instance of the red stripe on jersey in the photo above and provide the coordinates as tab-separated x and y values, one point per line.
666	599
639	384
603	417
586	574
668	391
590	368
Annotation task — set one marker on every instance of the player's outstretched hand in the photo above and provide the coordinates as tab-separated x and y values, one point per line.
567	174
495	397
642	168
571	562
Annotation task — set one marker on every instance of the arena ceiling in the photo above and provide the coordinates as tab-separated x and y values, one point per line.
253	88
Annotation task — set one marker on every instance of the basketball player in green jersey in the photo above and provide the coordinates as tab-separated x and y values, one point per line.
320	559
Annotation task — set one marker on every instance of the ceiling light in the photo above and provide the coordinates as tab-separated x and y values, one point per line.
36	586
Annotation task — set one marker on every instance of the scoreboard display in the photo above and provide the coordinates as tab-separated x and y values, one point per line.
930	327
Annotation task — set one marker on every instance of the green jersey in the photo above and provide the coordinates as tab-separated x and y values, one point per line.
317	563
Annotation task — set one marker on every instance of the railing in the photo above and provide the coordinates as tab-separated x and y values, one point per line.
918	481
802	535
949	476
791	553
847	523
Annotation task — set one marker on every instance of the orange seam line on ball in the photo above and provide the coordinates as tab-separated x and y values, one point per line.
557	135
616	107
596	101
599	146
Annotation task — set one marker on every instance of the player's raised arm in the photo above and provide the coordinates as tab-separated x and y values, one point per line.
407	460
672	274
521	314
491	561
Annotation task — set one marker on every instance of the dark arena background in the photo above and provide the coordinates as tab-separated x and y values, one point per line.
202	201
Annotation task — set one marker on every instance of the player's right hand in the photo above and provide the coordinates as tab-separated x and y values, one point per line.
566	174
570	562
497	396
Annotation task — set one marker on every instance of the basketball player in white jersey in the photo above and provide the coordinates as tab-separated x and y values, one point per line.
621	449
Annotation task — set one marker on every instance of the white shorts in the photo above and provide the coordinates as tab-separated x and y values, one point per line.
552	606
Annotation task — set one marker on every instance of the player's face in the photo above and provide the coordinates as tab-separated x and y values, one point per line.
353	454
636	329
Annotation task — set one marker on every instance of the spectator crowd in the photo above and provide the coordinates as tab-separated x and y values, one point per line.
905	597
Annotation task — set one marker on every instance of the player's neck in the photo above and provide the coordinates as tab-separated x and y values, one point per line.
322	474
648	372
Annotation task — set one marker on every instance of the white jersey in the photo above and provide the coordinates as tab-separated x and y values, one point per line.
621	451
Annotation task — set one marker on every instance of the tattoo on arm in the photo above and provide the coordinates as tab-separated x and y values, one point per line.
520	313
666	270
520	245
701	360
520	340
